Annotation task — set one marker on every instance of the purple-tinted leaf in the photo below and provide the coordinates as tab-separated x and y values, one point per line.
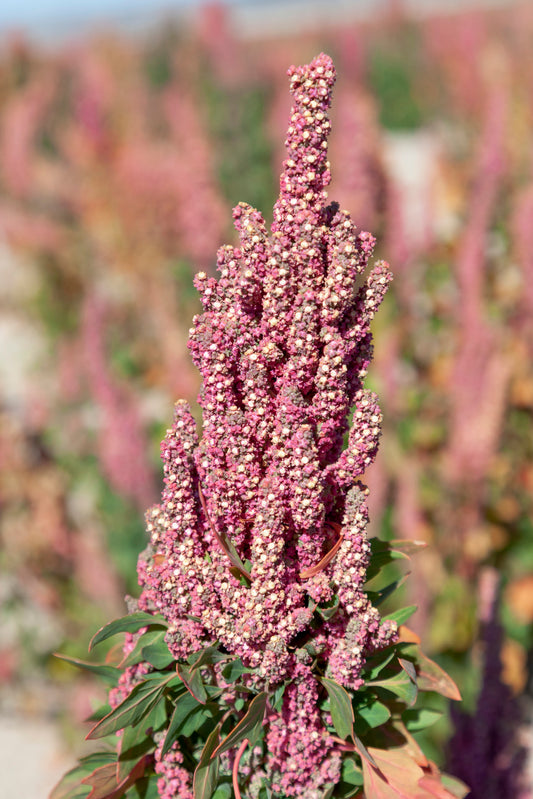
249	726
137	704
105	785
206	657
395	776
192	680
127	624
409	668
206	773
186	706
70	785
429	675
363	751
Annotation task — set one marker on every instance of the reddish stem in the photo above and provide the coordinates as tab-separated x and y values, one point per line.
343	745
222	545
307	573
235	772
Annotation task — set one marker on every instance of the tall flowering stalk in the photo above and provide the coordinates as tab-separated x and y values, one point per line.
256	658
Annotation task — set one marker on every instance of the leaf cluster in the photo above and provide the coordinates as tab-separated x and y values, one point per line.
208	706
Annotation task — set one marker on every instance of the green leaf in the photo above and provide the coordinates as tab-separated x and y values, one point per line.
276	698
378	546
373	714
95	759
127	624
381	555
108	673
328	613
99	713
146	788
70	785
157	653
206	657
363	751
429	675
400	616
206	773
250	726
420	718
192	679
378	597
399	684
104	781
351	772
136	654
186	706
265	792
455	786
136	742
137	704
341	709
224	791
233	670
380	661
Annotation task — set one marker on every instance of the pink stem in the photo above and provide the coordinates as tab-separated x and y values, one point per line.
233	561
235	772
344	746
307	573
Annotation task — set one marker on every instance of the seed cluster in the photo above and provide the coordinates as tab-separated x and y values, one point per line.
239	544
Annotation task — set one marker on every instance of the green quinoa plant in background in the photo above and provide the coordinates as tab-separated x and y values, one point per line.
256	661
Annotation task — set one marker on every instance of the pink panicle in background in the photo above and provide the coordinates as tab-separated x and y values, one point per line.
22	118
268	493
361	184
481	371
122	440
201	211
457	42
219	45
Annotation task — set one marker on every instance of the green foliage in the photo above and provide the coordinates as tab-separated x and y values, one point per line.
127	624
340	707
392	71
180	703
206	773
108	673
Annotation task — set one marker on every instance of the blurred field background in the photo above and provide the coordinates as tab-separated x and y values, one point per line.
121	156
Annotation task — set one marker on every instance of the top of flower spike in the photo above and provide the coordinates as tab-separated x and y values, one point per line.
306	171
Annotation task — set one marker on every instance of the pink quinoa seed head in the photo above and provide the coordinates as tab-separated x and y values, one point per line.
283	345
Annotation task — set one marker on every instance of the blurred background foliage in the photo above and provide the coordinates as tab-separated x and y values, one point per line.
120	159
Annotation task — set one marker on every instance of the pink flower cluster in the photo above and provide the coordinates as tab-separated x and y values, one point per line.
174	780
263	519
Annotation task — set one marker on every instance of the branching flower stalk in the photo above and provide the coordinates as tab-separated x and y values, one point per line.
283	347
258	554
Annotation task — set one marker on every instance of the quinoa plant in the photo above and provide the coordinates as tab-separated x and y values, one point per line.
256	660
